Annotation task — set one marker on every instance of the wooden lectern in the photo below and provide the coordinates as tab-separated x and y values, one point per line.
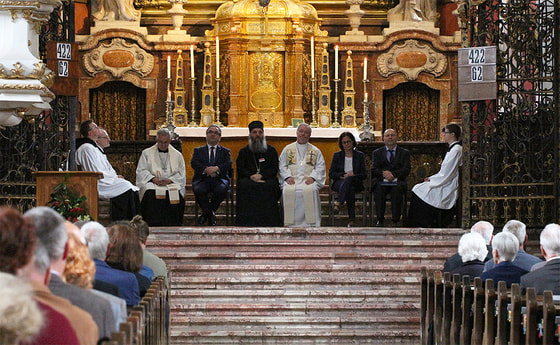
84	182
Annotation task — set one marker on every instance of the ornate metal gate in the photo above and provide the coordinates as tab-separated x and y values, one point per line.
42	143
512	146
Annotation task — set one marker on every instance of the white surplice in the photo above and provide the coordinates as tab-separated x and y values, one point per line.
301	202
169	165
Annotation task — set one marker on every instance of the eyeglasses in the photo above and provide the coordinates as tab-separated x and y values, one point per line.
213	132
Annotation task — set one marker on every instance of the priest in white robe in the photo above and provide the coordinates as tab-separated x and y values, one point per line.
303	174
161	177
91	157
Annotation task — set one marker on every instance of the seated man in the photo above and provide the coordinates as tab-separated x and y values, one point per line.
211	164
125	203
504	249
257	181
390	168
547	277
161	177
303	174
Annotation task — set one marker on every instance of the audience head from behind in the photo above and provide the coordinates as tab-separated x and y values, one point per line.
80	268
125	252
484	229
50	230
17	240
504	247
472	246
20	317
97	240
550	241
518	229
141	228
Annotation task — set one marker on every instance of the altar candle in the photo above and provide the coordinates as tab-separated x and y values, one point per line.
365	96
335	62
365	69
168	95
217	58
192	61
168	67
312	57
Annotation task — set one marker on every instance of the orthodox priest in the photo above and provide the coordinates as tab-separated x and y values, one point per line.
161	177
258	190
303	174
91	157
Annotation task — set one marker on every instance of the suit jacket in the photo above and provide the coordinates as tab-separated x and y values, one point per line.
455	260
358	166
522	259
400	167
504	271
201	159
546	278
97	307
472	269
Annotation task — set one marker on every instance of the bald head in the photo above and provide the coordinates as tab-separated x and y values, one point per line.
485	229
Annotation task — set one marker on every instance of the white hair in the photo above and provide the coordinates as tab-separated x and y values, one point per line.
550	239
516	228
472	247
97	239
20	317
485	229
507	246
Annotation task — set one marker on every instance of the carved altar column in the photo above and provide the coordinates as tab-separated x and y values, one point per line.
237	113
295	78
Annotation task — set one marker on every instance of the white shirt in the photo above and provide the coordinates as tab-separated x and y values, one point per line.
150	165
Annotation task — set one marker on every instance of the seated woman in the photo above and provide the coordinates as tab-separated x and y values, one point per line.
432	201
473	251
125	253
347	172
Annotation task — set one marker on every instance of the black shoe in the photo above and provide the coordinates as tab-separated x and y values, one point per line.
380	222
212	219
203	219
396	223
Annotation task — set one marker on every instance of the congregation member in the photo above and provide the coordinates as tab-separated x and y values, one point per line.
125	254
90	156
97	240
432	201
211	164
504	249
473	252
49	250
18	242
522	259
548	276
161	177
347	173
484	229
258	190
142	231
390	168
303	174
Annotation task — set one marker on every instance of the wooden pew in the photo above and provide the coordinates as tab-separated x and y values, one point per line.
478	312
502	329
456	317
438	306
447	309
551	319
490	313
424	306
515	317
466	311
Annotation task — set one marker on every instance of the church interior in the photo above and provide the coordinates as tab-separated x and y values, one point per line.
363	66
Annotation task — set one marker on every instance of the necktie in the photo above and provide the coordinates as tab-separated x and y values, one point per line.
391	156
212	157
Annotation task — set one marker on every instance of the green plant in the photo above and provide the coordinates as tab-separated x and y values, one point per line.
69	203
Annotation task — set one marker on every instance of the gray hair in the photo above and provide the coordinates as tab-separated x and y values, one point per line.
550	239
507	246
50	230
215	126
163	132
516	228
485	229
303	124
41	257
472	247
97	239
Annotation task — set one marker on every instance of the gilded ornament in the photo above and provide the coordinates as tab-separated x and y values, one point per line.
17	71
105	58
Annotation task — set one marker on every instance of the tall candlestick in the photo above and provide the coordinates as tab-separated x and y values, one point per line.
217	58
168	67
365	95
335	62
192	61
168	95
365	69
312	57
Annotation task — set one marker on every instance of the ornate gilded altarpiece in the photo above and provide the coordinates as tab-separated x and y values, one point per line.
511	145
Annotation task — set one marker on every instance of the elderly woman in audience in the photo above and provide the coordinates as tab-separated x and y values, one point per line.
80	271
473	251
126	253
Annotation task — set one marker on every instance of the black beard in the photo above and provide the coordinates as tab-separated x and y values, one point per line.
257	145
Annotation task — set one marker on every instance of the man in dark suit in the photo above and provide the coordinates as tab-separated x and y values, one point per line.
504	249
212	165
390	168
547	277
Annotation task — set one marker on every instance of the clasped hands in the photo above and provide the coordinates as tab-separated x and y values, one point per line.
211	171
308	181
387	175
161	181
257	178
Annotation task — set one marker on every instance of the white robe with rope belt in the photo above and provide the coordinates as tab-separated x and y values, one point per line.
301	202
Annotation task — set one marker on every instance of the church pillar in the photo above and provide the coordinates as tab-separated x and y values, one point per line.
237	113
294	79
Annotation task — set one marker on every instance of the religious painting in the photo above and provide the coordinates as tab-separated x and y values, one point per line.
266	88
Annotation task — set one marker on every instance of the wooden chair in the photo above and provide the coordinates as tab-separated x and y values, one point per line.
362	196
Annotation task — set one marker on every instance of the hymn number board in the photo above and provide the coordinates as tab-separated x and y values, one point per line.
477	73
62	59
